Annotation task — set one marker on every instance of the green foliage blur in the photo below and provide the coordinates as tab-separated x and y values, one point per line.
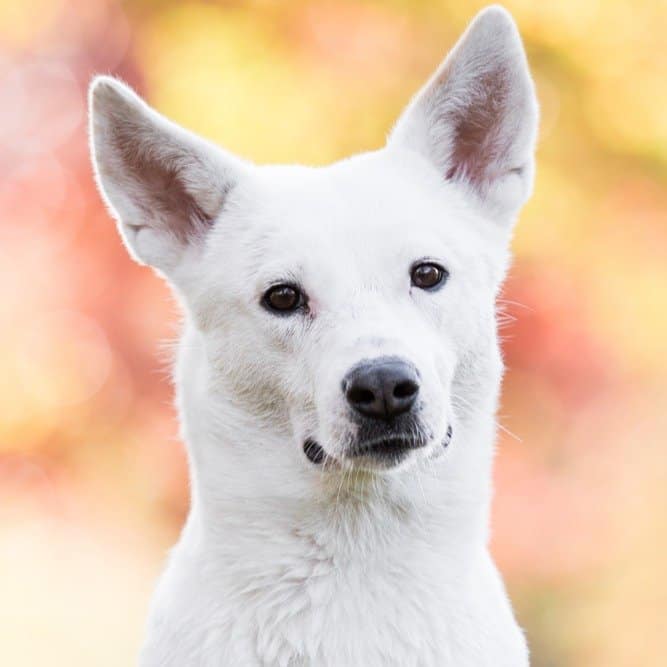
93	485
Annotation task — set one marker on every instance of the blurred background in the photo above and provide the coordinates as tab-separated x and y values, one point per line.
93	486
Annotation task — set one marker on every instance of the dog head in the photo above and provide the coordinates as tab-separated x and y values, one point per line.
342	310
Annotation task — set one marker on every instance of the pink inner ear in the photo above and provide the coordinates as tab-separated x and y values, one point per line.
158	190
478	144
166	198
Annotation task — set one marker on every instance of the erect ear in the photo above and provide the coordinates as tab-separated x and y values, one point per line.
164	185
476	119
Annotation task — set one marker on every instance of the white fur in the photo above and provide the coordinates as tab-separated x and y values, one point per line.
283	563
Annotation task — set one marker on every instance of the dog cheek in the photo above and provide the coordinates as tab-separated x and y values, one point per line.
436	408
250	379
437	372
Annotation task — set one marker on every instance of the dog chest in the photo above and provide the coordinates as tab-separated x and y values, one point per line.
296	601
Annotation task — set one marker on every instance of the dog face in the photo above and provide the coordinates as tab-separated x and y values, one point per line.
337	307
342	299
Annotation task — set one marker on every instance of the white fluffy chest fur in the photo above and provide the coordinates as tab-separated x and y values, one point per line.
357	586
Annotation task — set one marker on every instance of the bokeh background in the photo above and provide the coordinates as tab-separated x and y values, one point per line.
93	486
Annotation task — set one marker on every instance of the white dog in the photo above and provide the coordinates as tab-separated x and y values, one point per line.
338	373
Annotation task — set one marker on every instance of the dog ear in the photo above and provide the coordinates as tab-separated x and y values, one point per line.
164	185
476	119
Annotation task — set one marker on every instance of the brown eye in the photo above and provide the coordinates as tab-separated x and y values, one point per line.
428	275
283	299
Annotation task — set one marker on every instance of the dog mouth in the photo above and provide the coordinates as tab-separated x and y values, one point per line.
314	453
387	451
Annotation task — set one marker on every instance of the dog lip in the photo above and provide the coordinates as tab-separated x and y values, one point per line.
314	452
386	447
448	437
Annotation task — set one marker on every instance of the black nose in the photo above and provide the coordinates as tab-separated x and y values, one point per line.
382	388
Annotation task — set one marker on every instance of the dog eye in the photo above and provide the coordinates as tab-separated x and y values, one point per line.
428	275
283	299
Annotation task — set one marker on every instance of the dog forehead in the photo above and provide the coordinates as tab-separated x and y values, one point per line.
374	200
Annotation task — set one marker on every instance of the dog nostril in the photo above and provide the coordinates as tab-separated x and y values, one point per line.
360	396
405	389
